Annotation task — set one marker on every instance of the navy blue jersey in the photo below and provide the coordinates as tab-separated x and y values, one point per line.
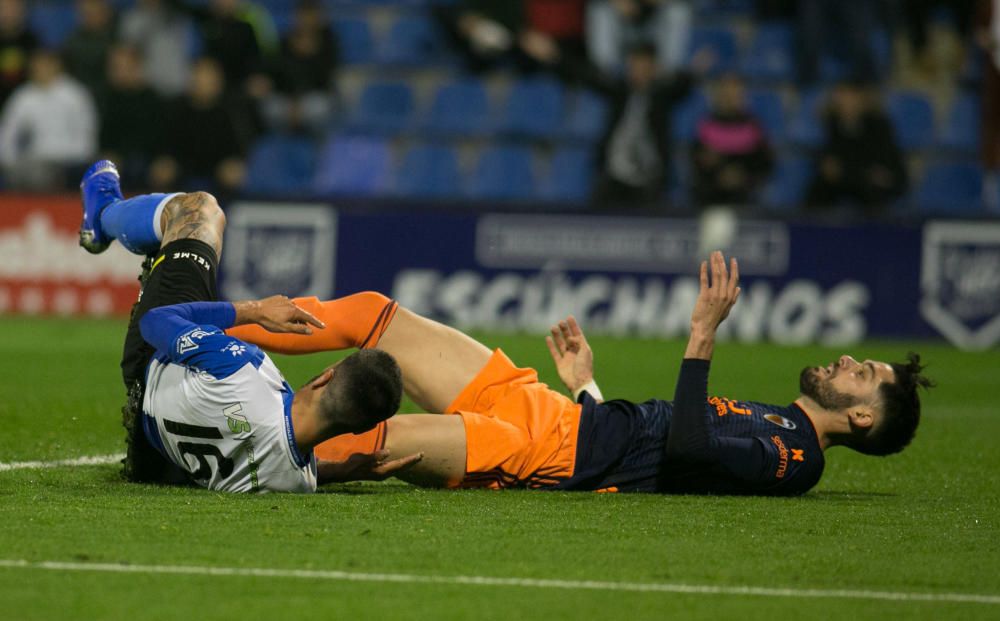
714	446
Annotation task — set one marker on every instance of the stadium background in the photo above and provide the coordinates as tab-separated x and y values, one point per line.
410	133
466	196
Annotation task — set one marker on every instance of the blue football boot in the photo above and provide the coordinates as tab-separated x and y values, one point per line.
99	188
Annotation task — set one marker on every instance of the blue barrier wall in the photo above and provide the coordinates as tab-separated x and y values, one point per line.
801	283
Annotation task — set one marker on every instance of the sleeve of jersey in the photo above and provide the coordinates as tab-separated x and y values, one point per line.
764	463
690	437
192	335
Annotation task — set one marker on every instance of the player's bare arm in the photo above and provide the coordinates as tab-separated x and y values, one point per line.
276	314
365	467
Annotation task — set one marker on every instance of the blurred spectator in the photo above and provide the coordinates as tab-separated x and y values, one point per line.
861	161
86	49
634	152
731	154
489	33
917	17
126	106
48	127
615	25
163	36
17	43
303	73
774	9
229	39
824	23
264	29
202	141
563	20
988	38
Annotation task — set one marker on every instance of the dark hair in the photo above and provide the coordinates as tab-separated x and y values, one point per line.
366	389
900	409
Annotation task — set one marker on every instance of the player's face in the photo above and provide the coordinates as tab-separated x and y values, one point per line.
844	383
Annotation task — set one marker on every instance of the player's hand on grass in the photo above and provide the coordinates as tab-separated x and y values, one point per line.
276	314
717	295
572	354
366	467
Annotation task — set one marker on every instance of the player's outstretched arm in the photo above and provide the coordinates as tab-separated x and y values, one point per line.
716	298
573	357
276	314
364	467
690	436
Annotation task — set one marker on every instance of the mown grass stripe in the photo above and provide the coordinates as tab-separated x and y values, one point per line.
583	585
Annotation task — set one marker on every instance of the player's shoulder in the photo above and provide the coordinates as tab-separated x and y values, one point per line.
796	463
214	352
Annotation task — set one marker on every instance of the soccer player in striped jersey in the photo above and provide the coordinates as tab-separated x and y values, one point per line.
208	408
509	430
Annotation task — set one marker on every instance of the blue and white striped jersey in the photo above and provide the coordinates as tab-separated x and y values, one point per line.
217	407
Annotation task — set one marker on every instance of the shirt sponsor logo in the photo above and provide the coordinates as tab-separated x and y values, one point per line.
780	421
782	457
187	343
235	418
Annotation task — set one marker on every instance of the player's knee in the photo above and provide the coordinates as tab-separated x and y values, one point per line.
194	205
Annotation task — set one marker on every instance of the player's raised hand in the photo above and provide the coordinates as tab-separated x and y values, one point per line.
276	314
572	354
365	467
717	294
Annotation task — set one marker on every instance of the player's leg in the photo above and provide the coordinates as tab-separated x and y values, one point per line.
144	223
183	270
189	227
437	361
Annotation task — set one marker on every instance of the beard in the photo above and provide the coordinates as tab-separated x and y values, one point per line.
821	391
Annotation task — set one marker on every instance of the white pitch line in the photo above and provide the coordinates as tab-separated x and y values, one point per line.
93	460
577	585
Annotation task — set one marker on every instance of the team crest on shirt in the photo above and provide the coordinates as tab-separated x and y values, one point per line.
780	421
187	343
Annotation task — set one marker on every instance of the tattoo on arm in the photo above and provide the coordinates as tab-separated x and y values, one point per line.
190	216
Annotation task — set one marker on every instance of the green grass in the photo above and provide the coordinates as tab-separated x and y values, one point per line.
924	521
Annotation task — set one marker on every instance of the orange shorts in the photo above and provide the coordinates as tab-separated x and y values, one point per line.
518	431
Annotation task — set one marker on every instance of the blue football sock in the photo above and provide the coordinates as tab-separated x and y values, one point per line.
135	222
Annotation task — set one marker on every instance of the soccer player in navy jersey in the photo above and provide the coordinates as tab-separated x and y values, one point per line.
509	430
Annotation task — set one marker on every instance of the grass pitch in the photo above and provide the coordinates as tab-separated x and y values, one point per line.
921	522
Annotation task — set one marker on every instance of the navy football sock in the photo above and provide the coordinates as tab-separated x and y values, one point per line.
135	222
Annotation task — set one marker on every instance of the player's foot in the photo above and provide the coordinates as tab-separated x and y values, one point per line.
99	188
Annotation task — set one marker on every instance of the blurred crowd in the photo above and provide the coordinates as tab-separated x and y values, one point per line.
178	91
